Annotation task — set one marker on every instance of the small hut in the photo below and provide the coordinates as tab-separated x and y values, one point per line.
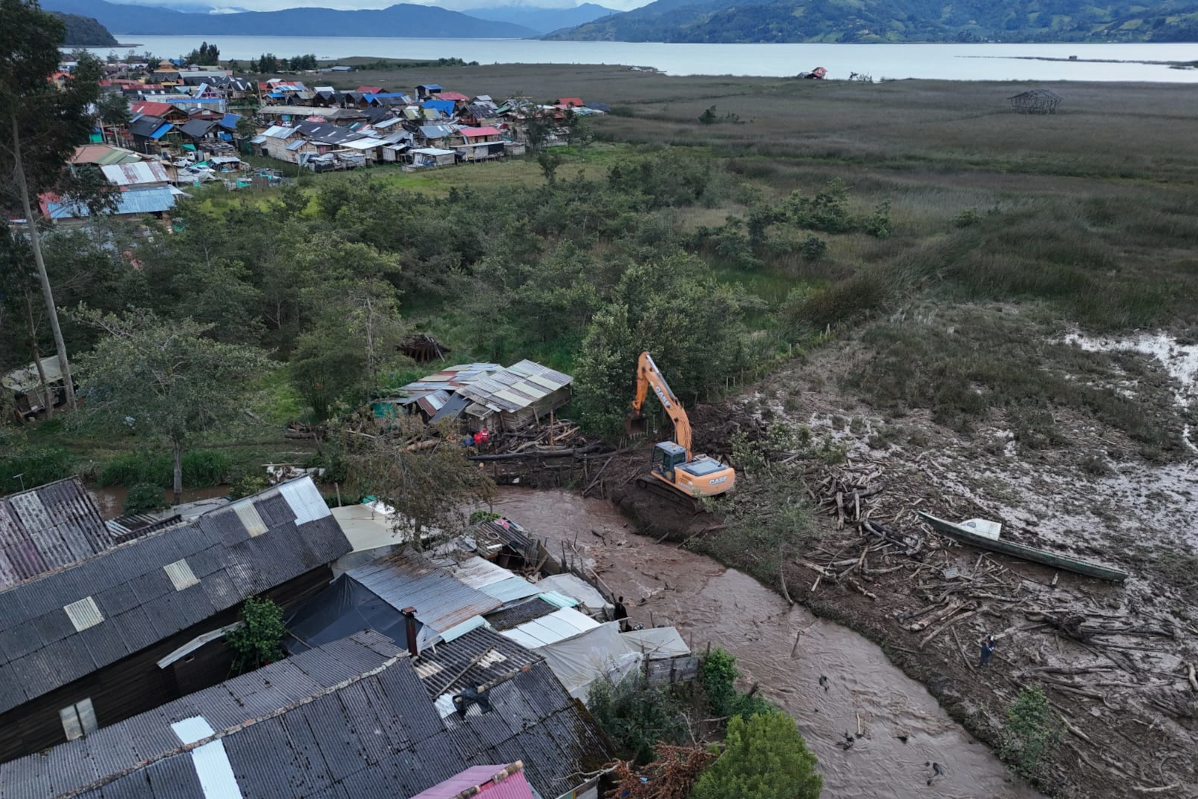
1035	101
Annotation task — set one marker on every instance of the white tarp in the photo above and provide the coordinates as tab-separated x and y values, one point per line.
657	643
597	653
592	601
557	626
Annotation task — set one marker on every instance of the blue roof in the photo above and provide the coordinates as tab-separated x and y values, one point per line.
434	86
141	201
275	94
162	131
444	106
230	121
369	97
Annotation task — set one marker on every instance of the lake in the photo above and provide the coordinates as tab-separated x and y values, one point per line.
936	61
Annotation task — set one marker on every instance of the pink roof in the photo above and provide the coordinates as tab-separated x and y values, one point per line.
369	89
514	786
454	96
468	132
570	101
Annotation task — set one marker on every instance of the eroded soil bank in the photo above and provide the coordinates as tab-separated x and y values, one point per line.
785	649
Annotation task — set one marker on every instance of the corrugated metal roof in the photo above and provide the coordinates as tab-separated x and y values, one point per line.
406	579
516	387
135	174
47	528
488	131
436	131
480	781
26	378
474	658
514	615
131	590
354	721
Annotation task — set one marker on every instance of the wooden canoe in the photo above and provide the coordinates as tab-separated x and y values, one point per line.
967	536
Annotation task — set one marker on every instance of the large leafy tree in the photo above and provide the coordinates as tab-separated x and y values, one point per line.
420	470
765	758
40	126
164	379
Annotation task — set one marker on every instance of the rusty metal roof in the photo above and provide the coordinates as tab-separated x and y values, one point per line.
47	528
408	580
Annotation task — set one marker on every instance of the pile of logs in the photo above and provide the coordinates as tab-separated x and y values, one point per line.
538	437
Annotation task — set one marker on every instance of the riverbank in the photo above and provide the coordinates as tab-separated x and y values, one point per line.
784	649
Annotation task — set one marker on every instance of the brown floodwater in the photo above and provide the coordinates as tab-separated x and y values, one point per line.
709	603
111	500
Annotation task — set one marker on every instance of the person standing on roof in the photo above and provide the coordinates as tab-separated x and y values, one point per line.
620	613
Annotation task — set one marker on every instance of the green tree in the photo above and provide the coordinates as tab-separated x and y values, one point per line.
765	757
1030	734
143	498
40	126
636	716
112	109
164	379
419	470
259	639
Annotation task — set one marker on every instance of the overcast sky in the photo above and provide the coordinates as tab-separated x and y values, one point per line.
459	5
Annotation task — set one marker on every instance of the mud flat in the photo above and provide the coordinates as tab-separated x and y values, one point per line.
783	648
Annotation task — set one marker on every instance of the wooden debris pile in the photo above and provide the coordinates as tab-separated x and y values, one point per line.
538	437
672	774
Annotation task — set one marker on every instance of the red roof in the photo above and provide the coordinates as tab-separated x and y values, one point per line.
369	89
470	132
455	96
153	109
571	101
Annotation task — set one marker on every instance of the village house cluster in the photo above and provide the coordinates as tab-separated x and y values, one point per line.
465	667
191	125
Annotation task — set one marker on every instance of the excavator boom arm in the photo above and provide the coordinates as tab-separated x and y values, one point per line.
647	375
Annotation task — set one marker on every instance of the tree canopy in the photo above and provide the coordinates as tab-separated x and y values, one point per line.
163	379
765	757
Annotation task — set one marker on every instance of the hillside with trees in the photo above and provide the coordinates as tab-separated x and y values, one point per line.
86	32
847	21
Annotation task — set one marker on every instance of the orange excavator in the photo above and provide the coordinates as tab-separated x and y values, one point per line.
673	462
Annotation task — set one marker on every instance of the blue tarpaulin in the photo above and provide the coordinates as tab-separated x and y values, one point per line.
444	106
162	131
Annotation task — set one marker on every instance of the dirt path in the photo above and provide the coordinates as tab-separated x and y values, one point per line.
902	725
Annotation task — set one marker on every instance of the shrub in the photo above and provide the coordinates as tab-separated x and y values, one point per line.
247	485
143	498
1030	734
765	758
878	223
482	516
201	468
36	467
967	218
636	715
260	638
813	248
718	678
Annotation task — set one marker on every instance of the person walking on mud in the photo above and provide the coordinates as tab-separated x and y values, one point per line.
988	647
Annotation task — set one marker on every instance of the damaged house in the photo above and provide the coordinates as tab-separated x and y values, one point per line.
484	395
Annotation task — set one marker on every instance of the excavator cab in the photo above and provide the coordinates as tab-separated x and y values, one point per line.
666	457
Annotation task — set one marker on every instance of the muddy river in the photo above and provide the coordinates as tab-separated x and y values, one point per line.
904	726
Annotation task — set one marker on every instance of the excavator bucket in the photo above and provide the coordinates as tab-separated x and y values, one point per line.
636	425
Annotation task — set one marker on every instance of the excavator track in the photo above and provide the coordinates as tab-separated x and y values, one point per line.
655	486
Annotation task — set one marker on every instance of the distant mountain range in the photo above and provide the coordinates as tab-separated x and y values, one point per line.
86	32
542	20
399	20
896	21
